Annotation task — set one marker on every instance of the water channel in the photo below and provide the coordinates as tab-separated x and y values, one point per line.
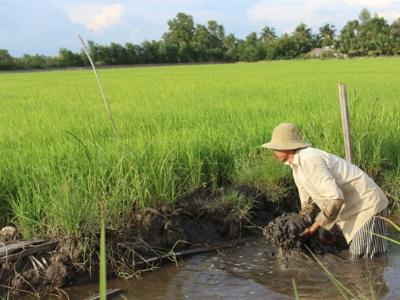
248	272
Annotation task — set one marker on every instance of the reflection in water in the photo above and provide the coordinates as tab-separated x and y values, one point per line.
247	272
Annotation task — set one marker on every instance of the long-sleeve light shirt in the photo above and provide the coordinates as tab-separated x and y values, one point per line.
345	195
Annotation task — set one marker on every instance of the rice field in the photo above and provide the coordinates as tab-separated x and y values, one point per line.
179	128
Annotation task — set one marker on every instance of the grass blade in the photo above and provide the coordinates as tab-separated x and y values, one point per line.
103	95
103	264
386	238
296	293
397	227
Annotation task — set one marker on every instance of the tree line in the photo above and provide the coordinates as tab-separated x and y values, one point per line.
187	42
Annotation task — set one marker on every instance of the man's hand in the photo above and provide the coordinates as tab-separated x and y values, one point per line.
326	237
311	230
298	222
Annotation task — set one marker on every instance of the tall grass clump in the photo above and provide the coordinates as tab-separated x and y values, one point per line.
180	128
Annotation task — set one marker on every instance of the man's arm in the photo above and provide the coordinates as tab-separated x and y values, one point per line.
326	218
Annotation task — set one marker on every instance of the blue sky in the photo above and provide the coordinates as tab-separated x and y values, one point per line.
44	26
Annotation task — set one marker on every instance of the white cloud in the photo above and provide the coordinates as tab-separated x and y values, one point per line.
370	3
95	17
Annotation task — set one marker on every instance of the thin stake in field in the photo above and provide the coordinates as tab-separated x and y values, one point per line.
85	49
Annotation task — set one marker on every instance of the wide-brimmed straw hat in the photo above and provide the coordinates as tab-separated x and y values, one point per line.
286	136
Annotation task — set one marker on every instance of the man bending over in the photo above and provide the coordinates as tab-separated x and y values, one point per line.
347	197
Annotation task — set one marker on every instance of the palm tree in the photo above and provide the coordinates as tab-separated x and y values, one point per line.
267	34
303	30
348	40
327	34
303	38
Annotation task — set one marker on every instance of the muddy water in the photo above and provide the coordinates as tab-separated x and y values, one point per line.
247	272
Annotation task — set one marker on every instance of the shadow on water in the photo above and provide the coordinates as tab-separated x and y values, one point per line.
247	272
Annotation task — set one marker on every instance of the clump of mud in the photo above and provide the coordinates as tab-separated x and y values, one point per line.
8	233
286	238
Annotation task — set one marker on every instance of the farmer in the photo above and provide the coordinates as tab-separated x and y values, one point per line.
347	198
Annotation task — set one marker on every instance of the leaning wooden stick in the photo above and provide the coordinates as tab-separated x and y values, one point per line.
345	121
85	49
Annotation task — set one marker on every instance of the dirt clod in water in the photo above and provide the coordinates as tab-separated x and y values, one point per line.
286	238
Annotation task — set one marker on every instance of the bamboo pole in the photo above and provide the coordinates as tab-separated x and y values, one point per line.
344	111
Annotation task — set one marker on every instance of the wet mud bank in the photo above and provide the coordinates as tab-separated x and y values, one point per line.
202	220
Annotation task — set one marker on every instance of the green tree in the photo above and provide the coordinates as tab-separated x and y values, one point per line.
134	53
168	52
37	62
285	47
303	39
327	35
374	35
7	62
103	55
118	54
395	36
268	39
251	49
93	50
201	43
151	52
231	48
216	36
348	39
267	34
208	42
364	16
181	32
69	59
